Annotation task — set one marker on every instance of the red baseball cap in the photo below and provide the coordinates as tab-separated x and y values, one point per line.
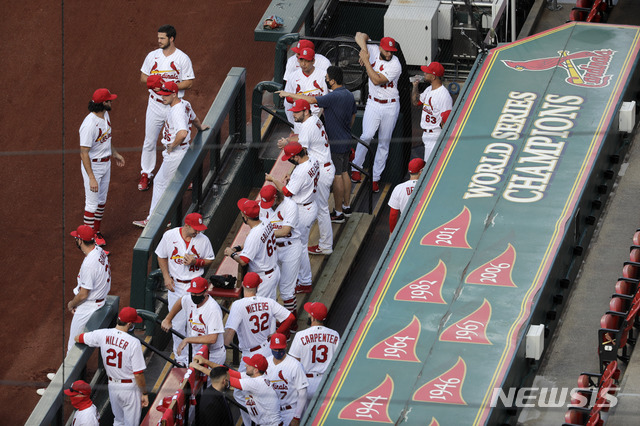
168	87
154	81
198	285
249	207
194	220
278	341
316	309
129	314
267	196
251	280
84	232
291	149
306	53
165	403
388	44
416	165
102	95
302	44
79	387
434	68
300	105
258	361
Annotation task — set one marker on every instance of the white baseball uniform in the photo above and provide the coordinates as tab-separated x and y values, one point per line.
313	137
261	400
401	193
314	347
95	134
308	85
122	358
95	276
321	63
175	67
302	190
381	112
86	417
204	320
434	104
180	117
288	379
289	247
259	251
173	248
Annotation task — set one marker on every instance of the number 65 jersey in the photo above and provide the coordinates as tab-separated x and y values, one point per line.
121	352
314	347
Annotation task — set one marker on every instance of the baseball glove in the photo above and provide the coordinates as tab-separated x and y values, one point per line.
223	281
154	82
273	22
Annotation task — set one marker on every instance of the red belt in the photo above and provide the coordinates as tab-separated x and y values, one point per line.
183	281
383	101
428	130
327	164
255	348
285	408
308	204
313	374
101	160
99	300
269	271
121	380
286	243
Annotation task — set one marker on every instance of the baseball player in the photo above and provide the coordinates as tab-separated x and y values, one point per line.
436	105
176	136
94	281
204	321
301	187
340	112
124	364
259	250
402	192
96	151
86	412
260	400
313	137
282	212
170	64
288	379
315	346
183	254
383	105
321	62
253	318
307	80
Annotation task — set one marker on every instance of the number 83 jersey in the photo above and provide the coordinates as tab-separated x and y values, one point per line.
121	352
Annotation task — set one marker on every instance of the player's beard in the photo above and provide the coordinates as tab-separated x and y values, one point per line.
107	107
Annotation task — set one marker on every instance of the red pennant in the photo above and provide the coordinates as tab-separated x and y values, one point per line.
470	329
495	272
452	233
446	388
372	406
400	346
426	289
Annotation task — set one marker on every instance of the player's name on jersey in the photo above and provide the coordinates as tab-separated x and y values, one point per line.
115	341
256	307
319	338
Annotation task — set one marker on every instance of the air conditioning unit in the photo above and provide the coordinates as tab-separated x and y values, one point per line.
414	24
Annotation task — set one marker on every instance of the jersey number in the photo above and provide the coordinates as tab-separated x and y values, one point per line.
259	323
112	355
430	119
388	85
319	353
271	244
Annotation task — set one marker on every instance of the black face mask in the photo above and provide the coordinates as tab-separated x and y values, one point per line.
197	299
308	321
328	82
292	161
244	219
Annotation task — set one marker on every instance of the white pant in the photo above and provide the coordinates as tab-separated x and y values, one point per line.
314	382
125	403
381	118
269	284
179	322
287	415
306	216
429	140
102	173
327	174
289	261
80	319
156	116
239	395
170	163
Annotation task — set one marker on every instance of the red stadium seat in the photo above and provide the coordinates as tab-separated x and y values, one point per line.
586	4
577	15
626	286
634	253
631	270
636	238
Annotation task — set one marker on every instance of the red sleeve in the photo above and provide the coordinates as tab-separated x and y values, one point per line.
286	192
135	373
235	374
235	382
286	324
245	259
394	214
445	115
81	338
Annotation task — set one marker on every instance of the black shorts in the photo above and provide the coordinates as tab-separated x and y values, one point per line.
341	162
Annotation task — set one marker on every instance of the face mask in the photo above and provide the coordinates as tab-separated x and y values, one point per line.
328	82
308	321
292	161
244	219
278	353
197	299
133	326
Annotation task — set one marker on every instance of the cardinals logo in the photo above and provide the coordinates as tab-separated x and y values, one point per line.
317	86
585	69
173	67
154	67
